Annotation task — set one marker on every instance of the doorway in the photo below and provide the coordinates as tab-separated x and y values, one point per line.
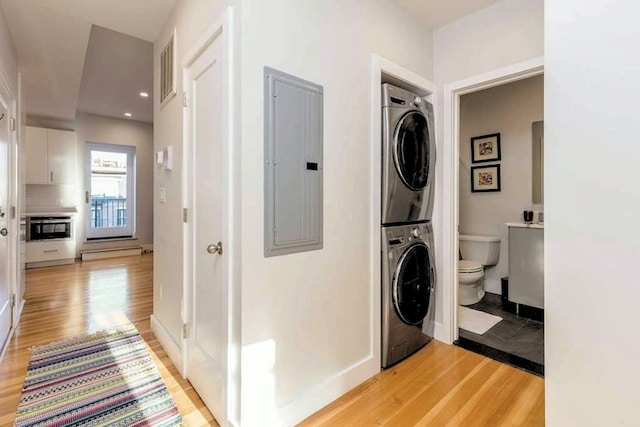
451	184
5	291
110	196
210	207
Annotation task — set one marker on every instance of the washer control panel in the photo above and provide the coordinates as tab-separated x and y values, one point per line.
404	234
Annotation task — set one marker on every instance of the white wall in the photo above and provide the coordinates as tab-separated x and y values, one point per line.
505	33
8	56
191	18
509	110
592	238
306	331
92	128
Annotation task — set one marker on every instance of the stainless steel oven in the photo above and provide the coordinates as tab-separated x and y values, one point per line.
49	228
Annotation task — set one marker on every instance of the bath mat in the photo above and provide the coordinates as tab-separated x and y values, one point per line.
107	378
476	321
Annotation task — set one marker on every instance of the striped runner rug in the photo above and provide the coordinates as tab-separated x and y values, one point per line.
107	378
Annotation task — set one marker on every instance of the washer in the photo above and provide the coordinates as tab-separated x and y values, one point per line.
408	157
408	286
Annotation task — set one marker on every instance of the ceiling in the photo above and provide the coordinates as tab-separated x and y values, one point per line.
93	56
436	13
96	56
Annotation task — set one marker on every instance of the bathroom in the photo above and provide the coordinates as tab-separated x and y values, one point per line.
501	176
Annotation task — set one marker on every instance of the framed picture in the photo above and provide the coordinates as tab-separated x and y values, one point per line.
485	178
485	148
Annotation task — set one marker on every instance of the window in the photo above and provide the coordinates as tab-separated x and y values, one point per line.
110	196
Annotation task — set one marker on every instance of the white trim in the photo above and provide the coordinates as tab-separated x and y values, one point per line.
104	233
450	188
4	349
9	101
223	27
210	35
109	253
439	331
170	347
322	394
18	314
379	67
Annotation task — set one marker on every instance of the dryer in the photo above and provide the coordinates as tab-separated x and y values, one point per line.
408	157
408	290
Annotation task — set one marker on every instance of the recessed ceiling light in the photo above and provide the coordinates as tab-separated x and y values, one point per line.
127	114
144	94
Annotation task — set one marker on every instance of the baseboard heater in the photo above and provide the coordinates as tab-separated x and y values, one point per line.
89	255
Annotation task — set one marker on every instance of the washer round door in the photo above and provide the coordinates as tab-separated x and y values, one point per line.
412	284
411	150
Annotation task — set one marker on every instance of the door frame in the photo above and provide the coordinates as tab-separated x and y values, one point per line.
131	204
224	28
8	99
450	177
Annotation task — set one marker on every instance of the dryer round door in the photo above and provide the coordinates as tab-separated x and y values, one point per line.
412	283
411	150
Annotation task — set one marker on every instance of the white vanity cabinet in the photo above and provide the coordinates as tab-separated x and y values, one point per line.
50	156
526	265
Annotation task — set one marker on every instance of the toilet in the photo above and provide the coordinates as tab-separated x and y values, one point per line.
477	253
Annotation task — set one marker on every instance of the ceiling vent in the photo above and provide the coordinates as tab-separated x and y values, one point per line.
168	70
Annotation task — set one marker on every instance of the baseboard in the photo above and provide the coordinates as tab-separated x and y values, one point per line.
3	350
317	397
173	350
441	334
110	253
12	330
20	309
54	263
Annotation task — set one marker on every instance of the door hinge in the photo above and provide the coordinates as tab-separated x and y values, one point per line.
13	212
13	300
12	124
184	331
185	215
184	99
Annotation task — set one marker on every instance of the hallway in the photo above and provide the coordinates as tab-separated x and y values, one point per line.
83	298
440	384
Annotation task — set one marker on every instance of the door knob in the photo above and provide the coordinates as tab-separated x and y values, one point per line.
215	249
4	232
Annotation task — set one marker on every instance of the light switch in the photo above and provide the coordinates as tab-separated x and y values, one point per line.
162	195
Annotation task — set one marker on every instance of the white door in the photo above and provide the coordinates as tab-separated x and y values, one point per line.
5	306
205	163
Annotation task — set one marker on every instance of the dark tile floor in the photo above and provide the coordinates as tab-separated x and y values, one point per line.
516	340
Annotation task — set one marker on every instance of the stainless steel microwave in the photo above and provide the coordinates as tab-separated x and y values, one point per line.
49	228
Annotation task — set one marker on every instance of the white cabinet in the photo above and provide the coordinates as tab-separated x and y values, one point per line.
526	266
52	250
50	156
37	169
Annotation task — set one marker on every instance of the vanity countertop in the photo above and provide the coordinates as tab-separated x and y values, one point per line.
524	225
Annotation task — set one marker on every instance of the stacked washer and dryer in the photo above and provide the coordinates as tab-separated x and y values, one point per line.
408	264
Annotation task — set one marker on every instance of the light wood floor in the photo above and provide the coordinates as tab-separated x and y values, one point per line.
86	297
440	385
